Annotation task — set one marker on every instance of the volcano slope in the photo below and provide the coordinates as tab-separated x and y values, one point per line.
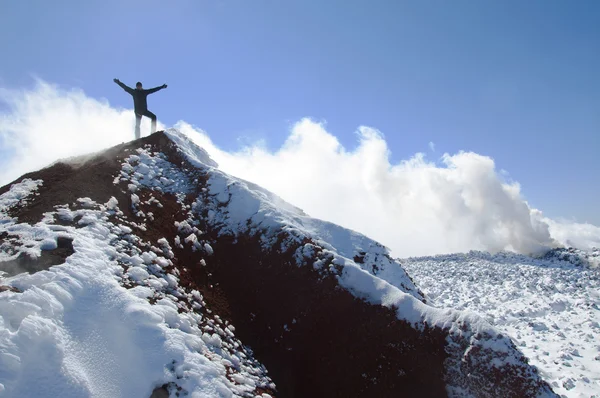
146	271
550	306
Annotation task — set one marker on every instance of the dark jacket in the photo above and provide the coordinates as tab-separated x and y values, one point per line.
139	97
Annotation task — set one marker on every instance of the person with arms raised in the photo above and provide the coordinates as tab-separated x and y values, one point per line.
140	104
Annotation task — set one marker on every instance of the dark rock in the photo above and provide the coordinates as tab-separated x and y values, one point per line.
48	258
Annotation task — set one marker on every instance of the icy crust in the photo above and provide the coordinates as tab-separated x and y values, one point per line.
550	308
88	328
17	195
478	353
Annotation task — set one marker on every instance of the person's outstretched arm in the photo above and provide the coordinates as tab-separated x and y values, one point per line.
123	86
155	89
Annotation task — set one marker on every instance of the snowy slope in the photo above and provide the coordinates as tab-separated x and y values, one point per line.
550	307
86	328
365	269
116	319
240	206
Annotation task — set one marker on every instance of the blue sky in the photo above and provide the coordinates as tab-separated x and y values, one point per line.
514	80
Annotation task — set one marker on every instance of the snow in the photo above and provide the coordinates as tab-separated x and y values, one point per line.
266	215
125	229
48	244
87	202
112	203
550	308
76	331
196	156
30	239
362	266
83	328
18	194
137	274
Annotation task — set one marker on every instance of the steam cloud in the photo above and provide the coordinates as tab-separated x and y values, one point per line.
415	207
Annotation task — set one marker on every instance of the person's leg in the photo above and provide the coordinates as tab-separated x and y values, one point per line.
153	124
138	119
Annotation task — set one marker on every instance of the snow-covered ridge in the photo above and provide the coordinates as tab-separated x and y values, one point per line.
242	207
134	292
363	267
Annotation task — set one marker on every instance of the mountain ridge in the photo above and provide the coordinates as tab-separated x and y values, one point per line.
326	310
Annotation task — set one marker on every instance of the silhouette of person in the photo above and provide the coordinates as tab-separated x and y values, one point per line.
140	104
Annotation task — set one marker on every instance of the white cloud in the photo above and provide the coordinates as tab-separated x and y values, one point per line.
415	207
432	146
48	123
574	234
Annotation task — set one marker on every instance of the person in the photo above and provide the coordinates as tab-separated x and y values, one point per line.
140	104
